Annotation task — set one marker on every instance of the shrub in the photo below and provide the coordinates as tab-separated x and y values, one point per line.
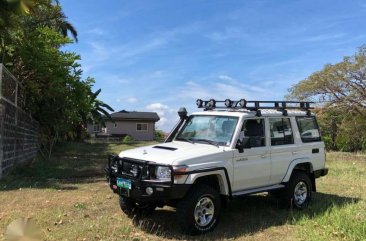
159	135
127	139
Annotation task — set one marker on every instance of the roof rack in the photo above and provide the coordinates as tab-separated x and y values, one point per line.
255	105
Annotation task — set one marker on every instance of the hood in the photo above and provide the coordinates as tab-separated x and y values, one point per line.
171	153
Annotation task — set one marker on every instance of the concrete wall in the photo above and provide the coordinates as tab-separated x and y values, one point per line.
18	131
128	128
18	137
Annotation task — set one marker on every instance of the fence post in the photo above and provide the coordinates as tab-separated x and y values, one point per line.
2	113
1	79
1	123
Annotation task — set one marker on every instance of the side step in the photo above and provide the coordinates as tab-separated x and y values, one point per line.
257	190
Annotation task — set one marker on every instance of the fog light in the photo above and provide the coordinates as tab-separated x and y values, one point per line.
149	190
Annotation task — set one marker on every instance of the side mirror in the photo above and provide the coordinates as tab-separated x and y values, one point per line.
240	146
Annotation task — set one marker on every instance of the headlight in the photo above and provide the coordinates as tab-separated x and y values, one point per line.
114	166
134	170
163	173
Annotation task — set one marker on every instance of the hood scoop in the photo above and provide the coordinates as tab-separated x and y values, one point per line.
166	148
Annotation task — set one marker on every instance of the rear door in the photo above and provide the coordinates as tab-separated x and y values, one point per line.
283	148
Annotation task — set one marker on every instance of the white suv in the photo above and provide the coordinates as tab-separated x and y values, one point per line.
231	149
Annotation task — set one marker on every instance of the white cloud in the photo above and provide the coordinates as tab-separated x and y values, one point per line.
114	79
225	77
222	87
157	107
167	118
99	52
323	37
96	31
132	100
228	34
103	53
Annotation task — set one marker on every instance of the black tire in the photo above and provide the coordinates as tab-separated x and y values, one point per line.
132	208
208	198
299	183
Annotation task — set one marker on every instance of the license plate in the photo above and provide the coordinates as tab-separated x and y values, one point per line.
123	183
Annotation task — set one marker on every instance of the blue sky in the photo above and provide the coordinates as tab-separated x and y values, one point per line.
161	55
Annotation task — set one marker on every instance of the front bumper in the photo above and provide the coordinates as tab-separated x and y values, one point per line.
162	191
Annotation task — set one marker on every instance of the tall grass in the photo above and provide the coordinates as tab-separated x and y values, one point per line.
69	200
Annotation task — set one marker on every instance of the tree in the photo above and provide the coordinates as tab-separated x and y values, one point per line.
340	90
342	84
28	15
93	110
9	19
20	6
51	15
159	135
55	93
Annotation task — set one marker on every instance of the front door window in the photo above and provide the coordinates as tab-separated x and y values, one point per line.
253	133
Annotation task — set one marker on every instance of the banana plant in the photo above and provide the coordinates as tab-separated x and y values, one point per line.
99	111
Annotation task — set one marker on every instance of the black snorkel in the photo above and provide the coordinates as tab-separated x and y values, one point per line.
183	115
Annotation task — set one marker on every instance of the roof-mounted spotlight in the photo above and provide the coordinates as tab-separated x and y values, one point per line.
243	103
228	103
211	104
199	103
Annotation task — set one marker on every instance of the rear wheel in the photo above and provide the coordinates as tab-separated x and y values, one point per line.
198	211
298	190
132	208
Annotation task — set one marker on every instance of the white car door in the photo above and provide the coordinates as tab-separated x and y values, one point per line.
252	167
283	147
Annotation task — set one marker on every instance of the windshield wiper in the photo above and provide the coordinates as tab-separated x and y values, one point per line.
214	143
185	139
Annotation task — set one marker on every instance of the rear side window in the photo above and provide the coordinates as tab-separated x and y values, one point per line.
308	128
281	131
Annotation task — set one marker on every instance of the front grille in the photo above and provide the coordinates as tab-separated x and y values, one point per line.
138	170
128	167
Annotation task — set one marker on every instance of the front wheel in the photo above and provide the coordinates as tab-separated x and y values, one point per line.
198	212
132	208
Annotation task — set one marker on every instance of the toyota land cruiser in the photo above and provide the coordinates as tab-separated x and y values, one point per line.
231	149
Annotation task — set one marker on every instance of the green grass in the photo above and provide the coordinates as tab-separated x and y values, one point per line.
69	200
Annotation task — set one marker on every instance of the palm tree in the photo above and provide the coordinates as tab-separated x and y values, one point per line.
21	6
9	19
51	15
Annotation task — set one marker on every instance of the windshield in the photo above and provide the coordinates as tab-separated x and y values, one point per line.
217	130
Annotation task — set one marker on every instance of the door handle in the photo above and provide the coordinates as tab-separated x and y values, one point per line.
263	156
294	152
